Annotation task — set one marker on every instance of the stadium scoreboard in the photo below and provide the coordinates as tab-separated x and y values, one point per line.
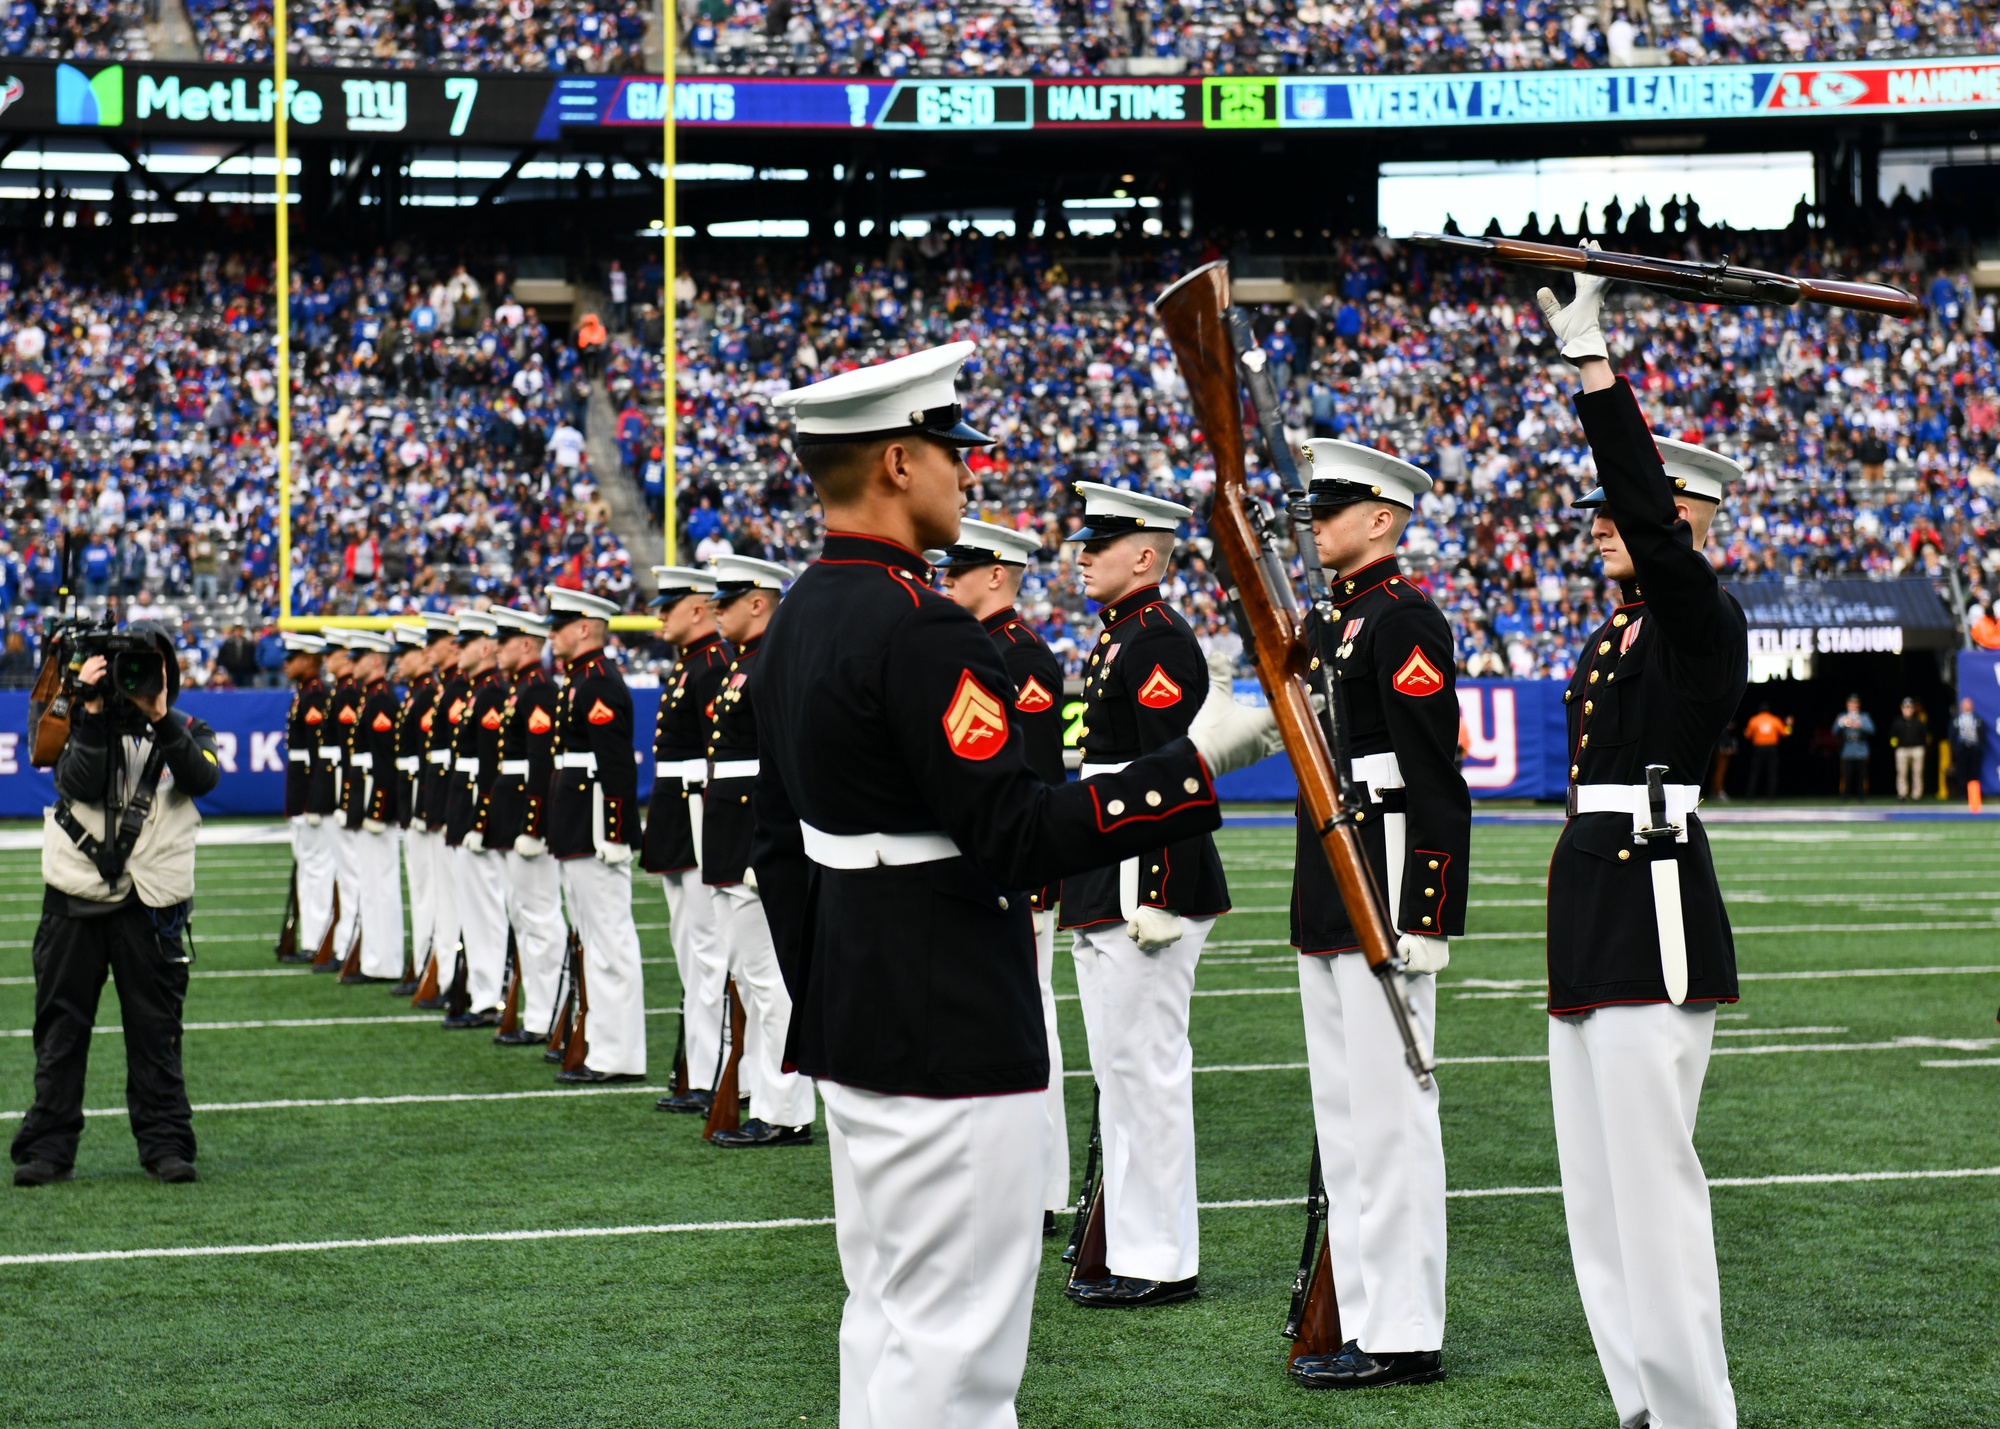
426	105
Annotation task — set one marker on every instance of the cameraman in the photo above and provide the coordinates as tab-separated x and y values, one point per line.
118	853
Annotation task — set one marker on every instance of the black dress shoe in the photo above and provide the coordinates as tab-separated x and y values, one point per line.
41	1173
761	1133
489	1018
694	1102
364	980
331	965
520	1037
584	1076
295	957
172	1169
1123	1292
405	989
429	1004
1048	1224
1354	1368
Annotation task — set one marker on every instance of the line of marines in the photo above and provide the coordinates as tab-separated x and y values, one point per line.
862	818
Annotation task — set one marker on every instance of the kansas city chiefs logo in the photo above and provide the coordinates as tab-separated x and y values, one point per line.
1631	634
975	723
490	720
1034	697
314	716
1159	692
1417	677
539	722
382	722
600	713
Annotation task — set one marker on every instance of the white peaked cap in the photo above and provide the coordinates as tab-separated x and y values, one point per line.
1113	511
684	580
1341	473
299	642
981	543
566	605
414	636
736	574
476	623
520	622
375	640
1694	471
915	393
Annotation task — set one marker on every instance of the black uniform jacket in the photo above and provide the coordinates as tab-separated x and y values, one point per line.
344	718
322	795
476	737
1145	680
594	717
729	822
1656	684
516	801
434	787
1037	706
375	738
412	740
680	734
881	707
1391	651
303	722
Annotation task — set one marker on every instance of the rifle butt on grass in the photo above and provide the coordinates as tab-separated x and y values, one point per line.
723	1112
1085	1252
510	1004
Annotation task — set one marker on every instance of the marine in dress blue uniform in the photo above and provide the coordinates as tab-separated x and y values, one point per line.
312	848
440	724
369	802
478	872
343	711
1640	951
418	673
510	824
1391	656
982	572
899	830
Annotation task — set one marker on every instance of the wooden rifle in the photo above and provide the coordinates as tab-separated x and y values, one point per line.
681	1049
566	1029
1085	1252
288	930
326	952
723	1112
1312	1323
427	985
510	1004
350	965
1717	282
1192	312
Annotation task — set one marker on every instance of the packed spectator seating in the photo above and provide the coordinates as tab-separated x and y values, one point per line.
566	36
95	30
1071	37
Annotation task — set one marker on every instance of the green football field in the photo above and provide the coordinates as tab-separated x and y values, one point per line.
424	1231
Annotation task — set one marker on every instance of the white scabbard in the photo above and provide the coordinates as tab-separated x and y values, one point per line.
696	805
597	838
1395	834
1673	928
1128	889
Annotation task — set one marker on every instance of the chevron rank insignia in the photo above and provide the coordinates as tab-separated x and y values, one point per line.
1034	697
314	716
383	722
539	722
1417	677
490	720
348	714
975	723
1159	692
600	713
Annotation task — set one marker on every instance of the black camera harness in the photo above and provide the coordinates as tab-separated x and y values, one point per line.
110	857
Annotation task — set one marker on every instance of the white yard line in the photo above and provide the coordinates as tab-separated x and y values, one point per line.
191	1252
218	972
297	1103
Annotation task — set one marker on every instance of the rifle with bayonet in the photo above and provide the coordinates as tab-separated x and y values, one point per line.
1698	282
1193	313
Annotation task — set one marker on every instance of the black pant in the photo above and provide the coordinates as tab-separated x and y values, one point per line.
1854	778
71	958
1763	770
1964	766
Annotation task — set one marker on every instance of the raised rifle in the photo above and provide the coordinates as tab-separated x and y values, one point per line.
510	1004
1312	1323
1085	1252
1192	312
1697	282
723	1112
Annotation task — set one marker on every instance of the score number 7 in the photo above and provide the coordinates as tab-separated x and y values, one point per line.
461	91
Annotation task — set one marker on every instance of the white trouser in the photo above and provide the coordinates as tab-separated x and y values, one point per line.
482	924
1381	1152
778	1097
938	1216
1135	1013
312	846
1056	1193
534	906
599	897
1910	771
1627	1084
446	897
703	963
377	861
347	874
420	868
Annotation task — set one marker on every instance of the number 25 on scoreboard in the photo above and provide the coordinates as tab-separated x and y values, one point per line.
1240	104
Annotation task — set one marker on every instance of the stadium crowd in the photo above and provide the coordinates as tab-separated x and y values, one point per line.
562	36
443	445
89	30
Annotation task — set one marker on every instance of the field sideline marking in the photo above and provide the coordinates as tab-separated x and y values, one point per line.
187	1252
414	1098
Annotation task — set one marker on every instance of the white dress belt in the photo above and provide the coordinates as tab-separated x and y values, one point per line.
1378	772
438	756
1089	769
741	769
514	766
571	759
1635	801
330	751
688	771
361	761
299	756
869	850
409	763
466	764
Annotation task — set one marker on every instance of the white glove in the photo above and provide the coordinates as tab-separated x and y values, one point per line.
1040	918
1154	929
1227	735
312	821
749	878
374	826
1421	953
1575	326
615	854
419	824
475	842
530	848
